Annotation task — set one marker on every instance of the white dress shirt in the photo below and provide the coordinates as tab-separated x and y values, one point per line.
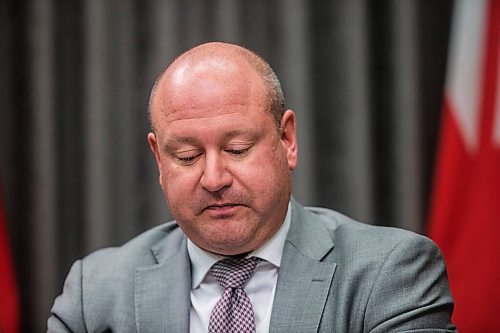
260	288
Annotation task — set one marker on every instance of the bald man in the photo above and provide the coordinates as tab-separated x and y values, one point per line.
225	147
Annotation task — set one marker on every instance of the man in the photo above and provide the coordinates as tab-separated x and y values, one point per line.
225	148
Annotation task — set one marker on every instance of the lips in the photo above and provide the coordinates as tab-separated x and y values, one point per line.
224	206
216	203
222	211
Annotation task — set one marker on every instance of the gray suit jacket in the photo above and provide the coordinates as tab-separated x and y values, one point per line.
337	275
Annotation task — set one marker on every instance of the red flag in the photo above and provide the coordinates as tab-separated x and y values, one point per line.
8	293
465	207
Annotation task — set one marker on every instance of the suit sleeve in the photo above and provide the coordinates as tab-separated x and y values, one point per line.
411	291
67	311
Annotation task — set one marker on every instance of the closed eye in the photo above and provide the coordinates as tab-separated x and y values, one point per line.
238	152
187	160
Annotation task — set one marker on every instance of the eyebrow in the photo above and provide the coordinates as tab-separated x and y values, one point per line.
168	145
227	135
233	133
182	139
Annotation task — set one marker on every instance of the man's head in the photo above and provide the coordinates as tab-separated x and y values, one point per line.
274	91
224	147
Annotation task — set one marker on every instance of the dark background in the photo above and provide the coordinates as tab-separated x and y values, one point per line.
364	77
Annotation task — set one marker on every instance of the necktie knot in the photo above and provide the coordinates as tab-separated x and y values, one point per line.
234	273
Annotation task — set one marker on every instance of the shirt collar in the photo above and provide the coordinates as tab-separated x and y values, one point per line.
271	251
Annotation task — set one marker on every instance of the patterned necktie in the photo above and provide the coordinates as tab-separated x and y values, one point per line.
233	312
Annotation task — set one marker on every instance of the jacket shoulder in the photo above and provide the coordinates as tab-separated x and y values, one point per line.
350	235
394	279
99	289
138	251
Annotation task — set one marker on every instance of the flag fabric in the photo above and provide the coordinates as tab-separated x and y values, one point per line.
464	217
8	292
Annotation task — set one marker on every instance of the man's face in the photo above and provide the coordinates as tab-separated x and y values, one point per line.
224	167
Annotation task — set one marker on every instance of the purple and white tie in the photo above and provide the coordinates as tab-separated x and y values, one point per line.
233	312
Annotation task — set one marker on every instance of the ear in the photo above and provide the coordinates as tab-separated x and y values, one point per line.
289	138
154	148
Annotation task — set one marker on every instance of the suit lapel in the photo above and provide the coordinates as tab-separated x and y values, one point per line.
162	299
162	291
304	280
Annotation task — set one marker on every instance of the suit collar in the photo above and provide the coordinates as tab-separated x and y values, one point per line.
304	280
162	291
308	234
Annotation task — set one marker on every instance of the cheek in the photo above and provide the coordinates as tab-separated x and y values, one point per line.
178	182
266	172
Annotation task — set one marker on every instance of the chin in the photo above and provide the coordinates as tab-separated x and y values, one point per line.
227	236
230	246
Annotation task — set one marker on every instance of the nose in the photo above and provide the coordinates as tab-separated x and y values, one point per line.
215	176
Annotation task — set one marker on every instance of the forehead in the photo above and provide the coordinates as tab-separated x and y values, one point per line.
207	87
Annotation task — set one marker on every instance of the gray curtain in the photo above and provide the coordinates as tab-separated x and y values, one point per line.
365	79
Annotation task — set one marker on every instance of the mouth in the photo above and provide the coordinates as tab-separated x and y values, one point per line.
223	209
221	206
